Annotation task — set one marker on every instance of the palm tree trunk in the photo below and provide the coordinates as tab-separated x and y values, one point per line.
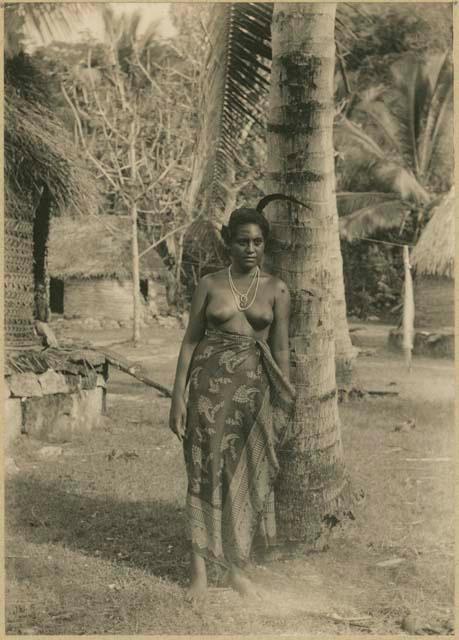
313	488
344	350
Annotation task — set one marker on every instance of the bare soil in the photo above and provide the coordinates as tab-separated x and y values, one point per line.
95	538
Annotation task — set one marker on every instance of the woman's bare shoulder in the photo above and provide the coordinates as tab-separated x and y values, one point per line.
275	283
212	279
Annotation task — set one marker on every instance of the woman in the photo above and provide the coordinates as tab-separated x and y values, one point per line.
235	357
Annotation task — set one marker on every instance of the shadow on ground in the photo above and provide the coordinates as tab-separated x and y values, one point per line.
147	535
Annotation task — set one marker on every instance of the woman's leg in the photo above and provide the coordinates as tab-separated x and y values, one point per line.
196	592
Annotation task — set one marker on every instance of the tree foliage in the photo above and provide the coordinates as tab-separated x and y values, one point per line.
132	85
40	18
394	146
398	142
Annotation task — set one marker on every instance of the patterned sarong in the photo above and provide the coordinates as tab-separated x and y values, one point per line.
238	411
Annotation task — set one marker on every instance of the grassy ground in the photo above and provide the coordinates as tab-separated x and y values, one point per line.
95	536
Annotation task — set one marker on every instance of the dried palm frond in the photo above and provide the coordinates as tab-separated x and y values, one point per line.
37	151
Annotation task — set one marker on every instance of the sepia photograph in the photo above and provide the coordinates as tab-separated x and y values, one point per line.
229	353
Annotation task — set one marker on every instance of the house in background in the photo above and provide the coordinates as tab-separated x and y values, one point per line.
90	266
433	262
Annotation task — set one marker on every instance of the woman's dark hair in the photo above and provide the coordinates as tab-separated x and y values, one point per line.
246	215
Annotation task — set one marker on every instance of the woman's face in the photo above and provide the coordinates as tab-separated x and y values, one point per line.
247	246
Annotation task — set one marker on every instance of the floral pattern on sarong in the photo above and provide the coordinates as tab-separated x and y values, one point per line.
238	410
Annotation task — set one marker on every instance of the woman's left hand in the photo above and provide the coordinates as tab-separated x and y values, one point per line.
177	417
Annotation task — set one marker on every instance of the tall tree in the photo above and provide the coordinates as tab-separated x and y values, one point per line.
313	483
237	74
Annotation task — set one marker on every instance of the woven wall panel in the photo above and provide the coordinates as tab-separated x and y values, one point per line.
18	281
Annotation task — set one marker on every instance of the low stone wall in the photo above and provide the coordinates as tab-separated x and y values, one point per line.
55	405
53	418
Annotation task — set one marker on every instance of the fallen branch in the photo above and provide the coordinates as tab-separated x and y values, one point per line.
381	392
352	393
133	369
116	360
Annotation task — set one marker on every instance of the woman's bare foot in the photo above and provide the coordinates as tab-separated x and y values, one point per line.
197	591
242	584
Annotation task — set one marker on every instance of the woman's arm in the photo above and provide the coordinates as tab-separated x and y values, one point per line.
278	335
193	334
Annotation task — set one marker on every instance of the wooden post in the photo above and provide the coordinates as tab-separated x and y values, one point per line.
135	242
408	309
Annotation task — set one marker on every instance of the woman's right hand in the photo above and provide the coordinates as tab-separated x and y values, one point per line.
177	416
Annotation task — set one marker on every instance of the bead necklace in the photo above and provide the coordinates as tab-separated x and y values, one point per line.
242	299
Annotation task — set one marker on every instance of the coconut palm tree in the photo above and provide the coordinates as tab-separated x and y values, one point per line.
313	482
401	142
237	76
306	242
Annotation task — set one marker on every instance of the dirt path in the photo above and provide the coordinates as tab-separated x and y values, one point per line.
96	535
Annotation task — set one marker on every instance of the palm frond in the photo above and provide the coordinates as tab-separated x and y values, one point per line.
413	93
363	153
233	81
349	202
383	119
440	73
349	134
372	218
441	163
346	12
392	177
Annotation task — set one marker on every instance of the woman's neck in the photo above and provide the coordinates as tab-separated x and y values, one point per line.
238	271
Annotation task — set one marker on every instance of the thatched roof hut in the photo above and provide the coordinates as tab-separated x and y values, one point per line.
434	252
97	247
42	172
433	261
92	256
